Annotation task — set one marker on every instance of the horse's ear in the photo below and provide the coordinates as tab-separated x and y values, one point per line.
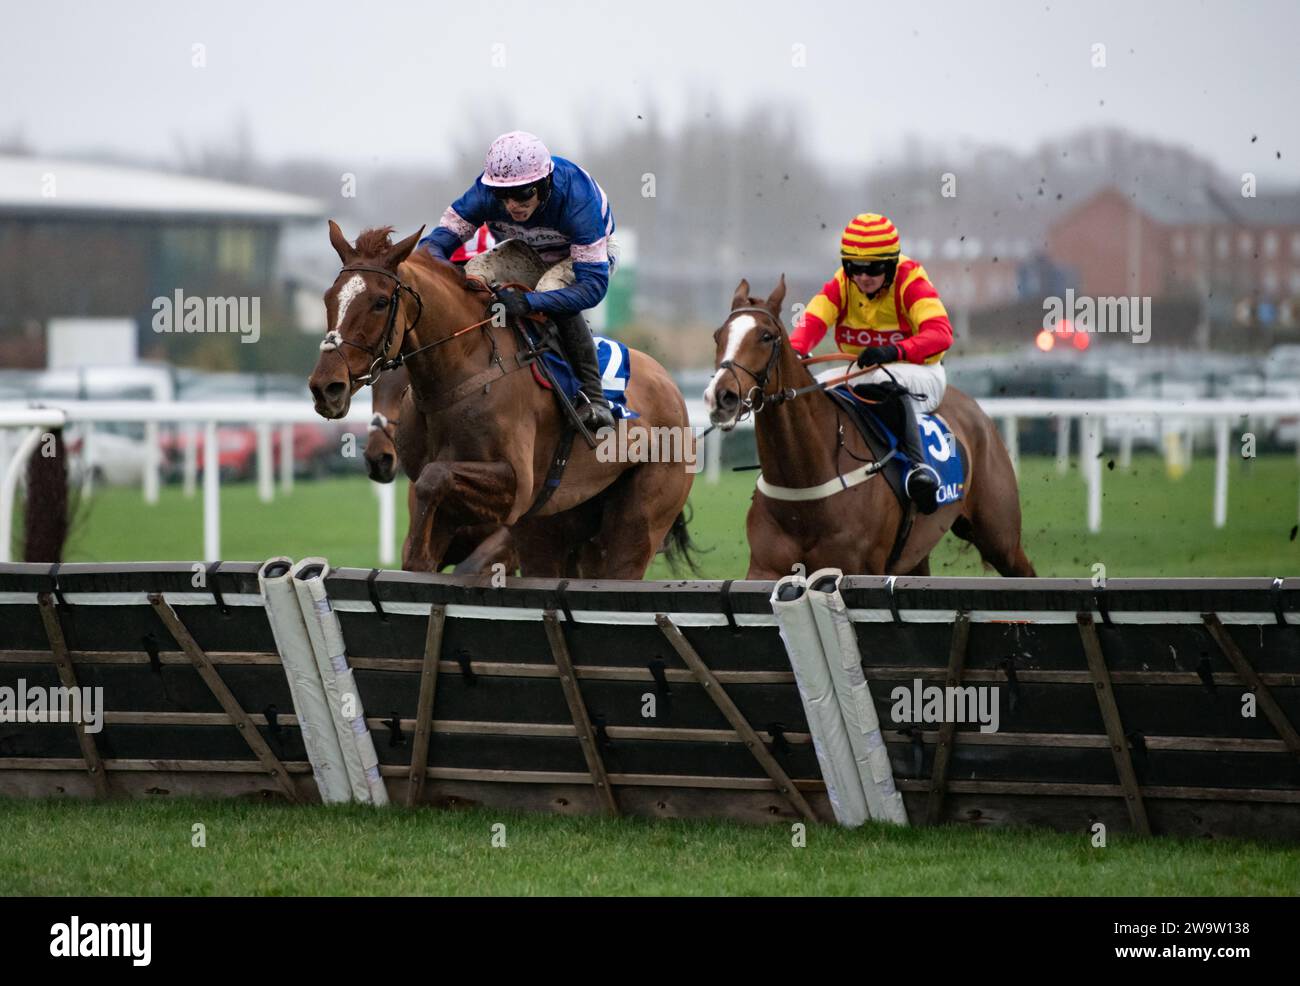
777	297
741	297
340	244
401	251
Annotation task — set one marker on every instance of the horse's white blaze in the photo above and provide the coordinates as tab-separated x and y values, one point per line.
737	331
349	291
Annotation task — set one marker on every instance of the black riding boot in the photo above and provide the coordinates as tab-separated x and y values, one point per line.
921	482
580	347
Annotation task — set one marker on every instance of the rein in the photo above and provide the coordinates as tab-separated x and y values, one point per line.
759	397
382	363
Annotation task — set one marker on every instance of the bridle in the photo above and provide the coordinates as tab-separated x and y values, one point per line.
379	359
381	363
758	397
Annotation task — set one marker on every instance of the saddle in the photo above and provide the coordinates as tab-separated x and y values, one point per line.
514	262
879	423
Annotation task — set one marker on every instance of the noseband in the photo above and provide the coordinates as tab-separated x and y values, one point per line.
379	359
758	397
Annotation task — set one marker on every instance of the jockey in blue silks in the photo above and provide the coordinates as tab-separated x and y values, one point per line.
558	209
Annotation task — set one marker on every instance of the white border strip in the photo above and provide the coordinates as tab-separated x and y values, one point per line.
625	618
136	598
470	611
1066	617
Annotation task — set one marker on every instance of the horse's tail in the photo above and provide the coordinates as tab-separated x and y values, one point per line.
679	549
45	514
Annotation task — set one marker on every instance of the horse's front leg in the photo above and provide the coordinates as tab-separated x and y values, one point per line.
497	547
452	495
415	548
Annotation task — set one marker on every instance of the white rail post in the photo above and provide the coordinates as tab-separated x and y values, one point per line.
1126	442
211	494
1011	435
387	521
1062	445
1220	472
1092	471
190	467
88	460
286	457
265	478
713	456
9	488
151	462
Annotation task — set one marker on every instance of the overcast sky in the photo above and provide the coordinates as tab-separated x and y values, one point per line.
400	82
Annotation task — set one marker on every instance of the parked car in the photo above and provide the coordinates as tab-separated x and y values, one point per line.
313	451
115	455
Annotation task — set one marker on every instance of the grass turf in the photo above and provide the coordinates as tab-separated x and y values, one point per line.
145	848
1151	525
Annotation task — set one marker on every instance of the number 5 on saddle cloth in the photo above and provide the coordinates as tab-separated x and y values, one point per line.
880	423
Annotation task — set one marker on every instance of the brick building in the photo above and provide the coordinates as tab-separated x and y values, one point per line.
1239	258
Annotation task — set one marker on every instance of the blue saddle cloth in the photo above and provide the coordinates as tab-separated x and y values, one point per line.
942	451
614	373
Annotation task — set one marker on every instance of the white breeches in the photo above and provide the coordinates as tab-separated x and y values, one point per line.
560	275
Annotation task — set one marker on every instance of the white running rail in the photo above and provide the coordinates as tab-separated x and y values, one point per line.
1230	419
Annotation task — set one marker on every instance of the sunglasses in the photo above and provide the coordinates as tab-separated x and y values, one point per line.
875	268
520	193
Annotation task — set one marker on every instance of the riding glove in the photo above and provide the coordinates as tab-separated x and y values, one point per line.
514	302
879	354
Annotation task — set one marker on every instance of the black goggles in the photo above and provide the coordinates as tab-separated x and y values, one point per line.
874	268
517	193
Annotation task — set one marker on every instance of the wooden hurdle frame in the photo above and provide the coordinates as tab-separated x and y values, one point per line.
1122	706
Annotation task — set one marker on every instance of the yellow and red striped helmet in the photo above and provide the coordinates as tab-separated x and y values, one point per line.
870	236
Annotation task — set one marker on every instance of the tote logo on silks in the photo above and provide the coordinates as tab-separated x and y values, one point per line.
614	374
941	452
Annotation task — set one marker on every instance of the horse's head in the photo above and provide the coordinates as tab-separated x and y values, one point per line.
386	402
362	312
749	343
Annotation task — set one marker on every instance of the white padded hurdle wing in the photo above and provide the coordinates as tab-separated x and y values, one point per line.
310	705
344	699
844	663
817	692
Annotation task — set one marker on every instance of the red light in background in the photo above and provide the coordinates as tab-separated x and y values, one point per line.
1064	327
1081	340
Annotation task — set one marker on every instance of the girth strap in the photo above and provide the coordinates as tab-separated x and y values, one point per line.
555	474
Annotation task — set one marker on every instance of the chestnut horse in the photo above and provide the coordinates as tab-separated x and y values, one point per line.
495	431
386	415
390	403
554	545
806	441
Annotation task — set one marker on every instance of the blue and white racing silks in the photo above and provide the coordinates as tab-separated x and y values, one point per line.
575	221
615	370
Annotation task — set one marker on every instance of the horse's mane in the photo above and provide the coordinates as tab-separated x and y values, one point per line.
377	241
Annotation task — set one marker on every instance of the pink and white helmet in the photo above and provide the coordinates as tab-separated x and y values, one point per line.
516	158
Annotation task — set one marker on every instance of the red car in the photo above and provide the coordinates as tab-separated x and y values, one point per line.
315	449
